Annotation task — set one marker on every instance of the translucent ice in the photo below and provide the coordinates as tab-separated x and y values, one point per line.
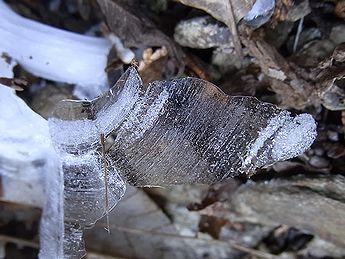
167	132
180	131
197	134
92	185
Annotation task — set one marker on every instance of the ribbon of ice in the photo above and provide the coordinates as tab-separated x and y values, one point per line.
167	132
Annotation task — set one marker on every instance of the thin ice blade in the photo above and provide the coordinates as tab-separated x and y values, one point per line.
189	131
182	131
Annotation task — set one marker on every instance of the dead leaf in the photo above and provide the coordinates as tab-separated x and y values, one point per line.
330	75
229	12
288	10
289	81
136	30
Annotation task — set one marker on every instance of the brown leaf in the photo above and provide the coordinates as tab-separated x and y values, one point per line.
330	75
335	150
286	79
136	30
212	225
288	10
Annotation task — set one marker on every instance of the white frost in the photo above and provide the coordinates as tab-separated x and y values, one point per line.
29	168
266	133
28	165
53	53
283	138
126	55
24	140
58	55
294	137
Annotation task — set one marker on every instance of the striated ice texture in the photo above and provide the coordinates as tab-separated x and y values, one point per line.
182	131
52	220
92	185
178	131
189	131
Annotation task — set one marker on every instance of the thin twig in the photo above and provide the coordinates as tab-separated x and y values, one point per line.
196	67
105	168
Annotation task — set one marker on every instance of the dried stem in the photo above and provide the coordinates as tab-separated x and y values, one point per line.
105	168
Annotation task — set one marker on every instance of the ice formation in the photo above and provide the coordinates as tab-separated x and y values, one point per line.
189	131
29	168
92	185
167	132
24	140
59	55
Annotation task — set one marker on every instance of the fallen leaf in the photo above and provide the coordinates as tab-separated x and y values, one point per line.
135	30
